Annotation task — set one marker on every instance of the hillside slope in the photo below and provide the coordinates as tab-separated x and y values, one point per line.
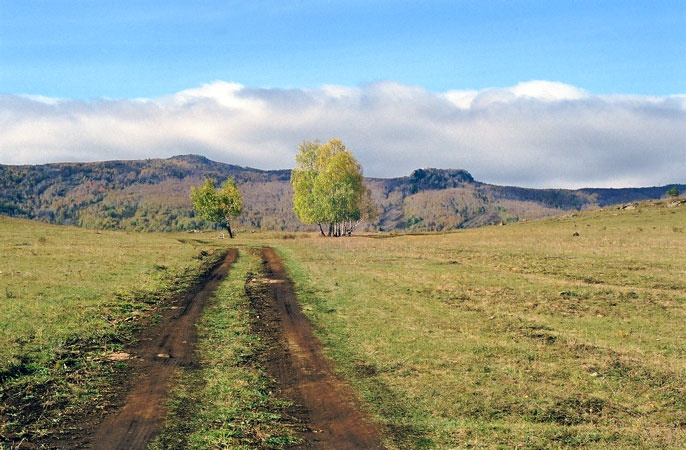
153	195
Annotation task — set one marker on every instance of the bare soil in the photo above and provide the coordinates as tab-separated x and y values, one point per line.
324	403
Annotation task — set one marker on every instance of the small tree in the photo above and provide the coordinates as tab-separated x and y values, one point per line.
673	192
329	189
218	205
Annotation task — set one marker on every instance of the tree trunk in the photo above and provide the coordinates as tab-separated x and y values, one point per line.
321	229
228	227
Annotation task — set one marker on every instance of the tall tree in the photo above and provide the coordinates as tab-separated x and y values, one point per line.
329	188
218	205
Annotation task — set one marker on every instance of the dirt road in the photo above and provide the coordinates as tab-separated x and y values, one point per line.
160	351
304	375
325	406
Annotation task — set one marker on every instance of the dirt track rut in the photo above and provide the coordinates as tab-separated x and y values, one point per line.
161	350
327	408
304	375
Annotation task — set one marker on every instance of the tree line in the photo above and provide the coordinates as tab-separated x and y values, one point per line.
153	195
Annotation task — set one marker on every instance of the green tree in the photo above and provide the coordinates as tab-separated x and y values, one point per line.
329	188
673	192
218	205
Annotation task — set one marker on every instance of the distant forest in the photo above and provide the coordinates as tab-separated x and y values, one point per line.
153	195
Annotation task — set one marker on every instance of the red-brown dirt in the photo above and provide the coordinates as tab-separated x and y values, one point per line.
304	376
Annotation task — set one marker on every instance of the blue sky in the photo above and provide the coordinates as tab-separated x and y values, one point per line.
529	93
131	48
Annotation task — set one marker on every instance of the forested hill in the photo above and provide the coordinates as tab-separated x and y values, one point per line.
153	195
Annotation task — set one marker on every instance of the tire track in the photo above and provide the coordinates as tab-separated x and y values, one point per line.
160	351
304	375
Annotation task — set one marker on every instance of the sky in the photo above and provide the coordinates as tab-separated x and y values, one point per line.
520	92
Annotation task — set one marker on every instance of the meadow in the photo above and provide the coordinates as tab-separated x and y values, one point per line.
565	332
559	333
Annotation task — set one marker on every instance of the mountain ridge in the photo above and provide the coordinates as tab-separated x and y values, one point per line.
153	195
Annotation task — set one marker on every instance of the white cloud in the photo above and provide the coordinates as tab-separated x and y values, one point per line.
539	133
548	90
542	91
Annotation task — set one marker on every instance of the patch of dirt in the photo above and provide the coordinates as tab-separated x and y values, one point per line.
322	402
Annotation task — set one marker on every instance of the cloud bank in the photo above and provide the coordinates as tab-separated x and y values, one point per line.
535	134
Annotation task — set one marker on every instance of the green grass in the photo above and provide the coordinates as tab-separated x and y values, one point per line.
560	333
68	297
227	402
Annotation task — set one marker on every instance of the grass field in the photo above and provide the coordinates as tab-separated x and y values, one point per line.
566	332
560	333
70	297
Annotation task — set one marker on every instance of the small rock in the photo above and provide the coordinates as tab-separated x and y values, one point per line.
119	356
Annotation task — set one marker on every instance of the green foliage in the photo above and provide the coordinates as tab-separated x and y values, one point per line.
673	192
435	179
329	188
218	205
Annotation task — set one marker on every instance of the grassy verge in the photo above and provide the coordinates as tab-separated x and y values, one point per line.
553	334
226	402
70	298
